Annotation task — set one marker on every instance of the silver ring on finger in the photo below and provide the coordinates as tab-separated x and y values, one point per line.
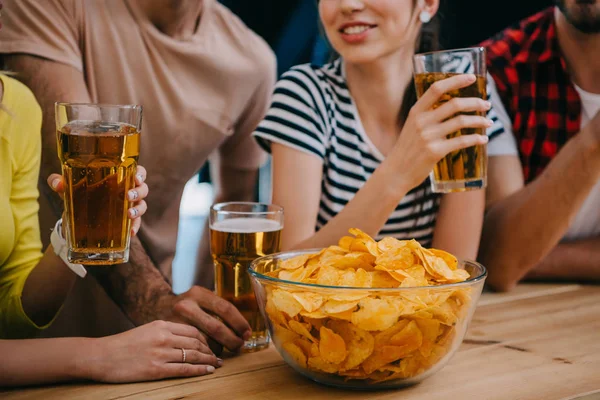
183	355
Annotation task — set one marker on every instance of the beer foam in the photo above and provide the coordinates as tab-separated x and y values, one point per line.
246	225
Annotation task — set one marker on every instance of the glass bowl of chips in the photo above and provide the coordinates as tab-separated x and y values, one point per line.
367	314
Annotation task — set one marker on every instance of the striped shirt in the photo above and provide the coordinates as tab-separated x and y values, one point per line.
313	111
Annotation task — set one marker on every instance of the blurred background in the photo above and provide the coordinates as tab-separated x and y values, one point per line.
291	28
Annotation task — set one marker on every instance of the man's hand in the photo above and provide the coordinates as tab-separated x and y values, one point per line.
218	319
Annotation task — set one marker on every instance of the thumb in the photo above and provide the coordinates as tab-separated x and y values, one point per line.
57	184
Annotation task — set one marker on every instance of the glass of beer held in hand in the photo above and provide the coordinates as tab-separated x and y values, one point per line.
98	147
464	169
239	234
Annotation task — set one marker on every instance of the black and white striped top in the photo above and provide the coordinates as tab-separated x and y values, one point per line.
312	111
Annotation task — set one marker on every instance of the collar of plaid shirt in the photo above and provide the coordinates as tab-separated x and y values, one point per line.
534	84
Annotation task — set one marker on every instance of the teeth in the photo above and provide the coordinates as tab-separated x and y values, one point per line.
356	29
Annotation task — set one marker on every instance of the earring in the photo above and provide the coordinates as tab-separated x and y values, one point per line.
425	16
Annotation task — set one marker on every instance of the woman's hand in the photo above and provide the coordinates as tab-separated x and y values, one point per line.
136	196
423	140
149	352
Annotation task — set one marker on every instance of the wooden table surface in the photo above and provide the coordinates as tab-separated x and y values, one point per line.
538	342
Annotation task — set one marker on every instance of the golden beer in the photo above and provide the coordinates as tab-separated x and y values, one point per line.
234	244
465	165
99	162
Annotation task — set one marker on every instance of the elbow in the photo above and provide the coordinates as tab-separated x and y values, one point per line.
501	284
505	273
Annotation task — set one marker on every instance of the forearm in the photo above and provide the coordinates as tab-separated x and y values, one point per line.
46	288
137	287
458	224
521	230
368	210
38	361
579	260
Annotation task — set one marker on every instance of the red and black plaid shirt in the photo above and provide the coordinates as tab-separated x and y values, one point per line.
531	75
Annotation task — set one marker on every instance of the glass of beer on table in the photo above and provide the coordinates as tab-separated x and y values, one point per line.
464	169
240	232
98	147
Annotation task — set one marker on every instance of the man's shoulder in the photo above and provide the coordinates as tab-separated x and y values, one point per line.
516	42
244	41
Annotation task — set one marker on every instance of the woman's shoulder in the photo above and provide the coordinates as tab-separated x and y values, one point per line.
20	117
318	76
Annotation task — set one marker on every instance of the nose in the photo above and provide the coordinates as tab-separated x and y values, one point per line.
351	6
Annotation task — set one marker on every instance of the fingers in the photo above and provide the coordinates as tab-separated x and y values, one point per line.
224	310
185	342
461	142
135	226
194	357
137	194
214	328
137	210
180	370
56	183
460	122
439	88
459	105
140	175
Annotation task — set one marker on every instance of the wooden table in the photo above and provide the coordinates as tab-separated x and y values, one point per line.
537	342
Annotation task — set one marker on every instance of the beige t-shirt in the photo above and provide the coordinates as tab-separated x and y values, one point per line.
200	95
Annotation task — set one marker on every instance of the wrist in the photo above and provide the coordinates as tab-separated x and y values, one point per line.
394	185
85	359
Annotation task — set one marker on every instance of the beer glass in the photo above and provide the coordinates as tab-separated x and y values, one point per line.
98	147
239	234
464	169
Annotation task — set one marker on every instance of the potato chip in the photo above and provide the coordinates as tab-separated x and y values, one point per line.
450	260
355	260
313	315
345	315
336	306
274	314
360	343
331	346
302	329
306	347
295	353
384	355
381	279
328	276
294	262
410	336
284	335
309	301
345	242
375	314
320	364
285	301
400	258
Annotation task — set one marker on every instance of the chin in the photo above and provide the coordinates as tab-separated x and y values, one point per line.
361	55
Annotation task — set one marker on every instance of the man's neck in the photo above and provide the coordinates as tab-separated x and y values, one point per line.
581	54
176	18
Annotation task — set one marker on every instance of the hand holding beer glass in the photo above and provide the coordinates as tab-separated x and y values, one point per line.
464	169
98	146
239	234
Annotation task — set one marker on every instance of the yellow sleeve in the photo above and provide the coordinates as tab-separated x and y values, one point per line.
22	121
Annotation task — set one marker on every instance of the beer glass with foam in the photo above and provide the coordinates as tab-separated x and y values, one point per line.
239	234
